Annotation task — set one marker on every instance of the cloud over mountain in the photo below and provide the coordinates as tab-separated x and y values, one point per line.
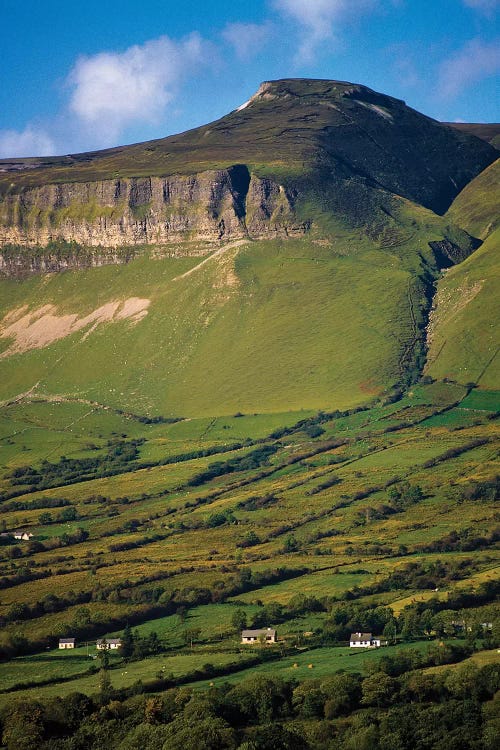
113	89
319	18
31	140
247	39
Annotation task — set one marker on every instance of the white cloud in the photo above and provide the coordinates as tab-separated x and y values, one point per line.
112	90
474	62
319	19
247	39
484	6
31	140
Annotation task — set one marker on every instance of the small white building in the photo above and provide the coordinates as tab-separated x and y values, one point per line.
365	640
66	643
108	643
22	535
260	635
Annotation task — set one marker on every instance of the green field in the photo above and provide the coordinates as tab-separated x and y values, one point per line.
203	349
320	662
325	493
122	675
306	663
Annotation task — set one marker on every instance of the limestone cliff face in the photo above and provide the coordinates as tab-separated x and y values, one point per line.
214	205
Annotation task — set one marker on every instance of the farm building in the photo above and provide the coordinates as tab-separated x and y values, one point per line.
66	643
365	640
261	635
23	535
108	643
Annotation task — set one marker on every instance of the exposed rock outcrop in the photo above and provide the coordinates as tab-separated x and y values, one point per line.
213	205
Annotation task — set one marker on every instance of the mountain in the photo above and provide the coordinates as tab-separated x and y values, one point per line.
243	174
280	258
488	131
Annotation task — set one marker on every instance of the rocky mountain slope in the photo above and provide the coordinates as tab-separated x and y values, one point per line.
246	174
281	258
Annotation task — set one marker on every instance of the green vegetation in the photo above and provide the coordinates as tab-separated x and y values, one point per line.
463	337
223	350
378	513
390	704
475	208
272	436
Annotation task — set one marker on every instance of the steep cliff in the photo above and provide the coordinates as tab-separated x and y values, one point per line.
213	205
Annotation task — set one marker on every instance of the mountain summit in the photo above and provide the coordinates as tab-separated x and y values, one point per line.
291	126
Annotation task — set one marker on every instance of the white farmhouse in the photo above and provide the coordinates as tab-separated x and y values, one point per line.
261	635
66	643
108	643
365	640
22	535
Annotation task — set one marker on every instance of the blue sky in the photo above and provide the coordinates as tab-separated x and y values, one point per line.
85	75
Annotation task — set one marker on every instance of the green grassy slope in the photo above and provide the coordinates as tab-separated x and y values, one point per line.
464	342
476	208
464	339
331	320
284	332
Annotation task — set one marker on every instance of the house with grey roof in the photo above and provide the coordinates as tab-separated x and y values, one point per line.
108	643
365	640
260	635
66	643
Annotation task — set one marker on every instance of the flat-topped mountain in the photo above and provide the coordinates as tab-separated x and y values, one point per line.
242	175
284	256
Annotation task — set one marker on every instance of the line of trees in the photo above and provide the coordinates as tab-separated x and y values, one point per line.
415	710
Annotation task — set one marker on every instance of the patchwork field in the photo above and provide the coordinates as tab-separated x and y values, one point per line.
184	530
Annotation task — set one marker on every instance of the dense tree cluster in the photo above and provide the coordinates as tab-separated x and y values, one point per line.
252	460
464	540
67	470
487	491
449	709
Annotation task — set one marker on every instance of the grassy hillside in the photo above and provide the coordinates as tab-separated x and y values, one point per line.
311	523
476	208
464	331
328	321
